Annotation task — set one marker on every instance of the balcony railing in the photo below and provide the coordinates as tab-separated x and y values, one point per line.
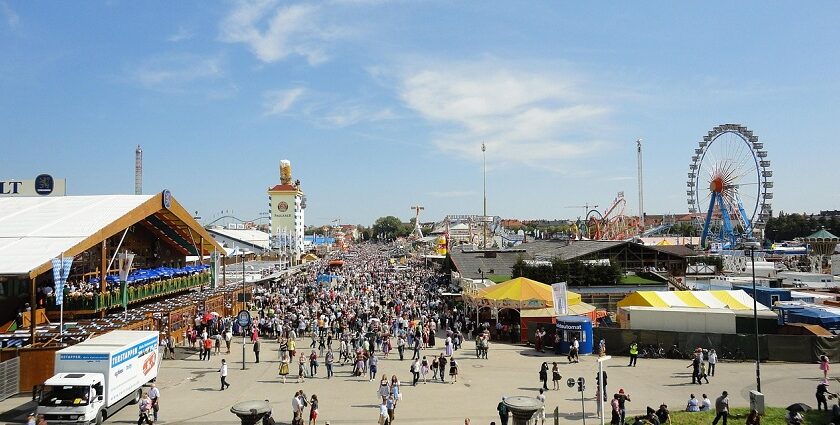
136	293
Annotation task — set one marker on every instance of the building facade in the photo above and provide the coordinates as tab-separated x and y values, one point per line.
287	203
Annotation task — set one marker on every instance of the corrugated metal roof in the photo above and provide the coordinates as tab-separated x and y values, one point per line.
34	230
250	236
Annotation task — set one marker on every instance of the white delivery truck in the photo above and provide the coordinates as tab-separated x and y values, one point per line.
97	377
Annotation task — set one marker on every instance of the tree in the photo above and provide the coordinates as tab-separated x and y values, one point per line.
389	227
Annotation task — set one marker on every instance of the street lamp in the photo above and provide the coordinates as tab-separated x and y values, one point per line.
484	174
755	319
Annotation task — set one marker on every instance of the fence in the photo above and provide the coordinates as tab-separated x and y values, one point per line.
789	348
9	378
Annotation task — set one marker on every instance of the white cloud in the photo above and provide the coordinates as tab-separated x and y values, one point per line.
273	32
182	34
176	72
278	102
12	18
523	116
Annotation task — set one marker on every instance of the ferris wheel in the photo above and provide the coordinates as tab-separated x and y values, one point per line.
729	186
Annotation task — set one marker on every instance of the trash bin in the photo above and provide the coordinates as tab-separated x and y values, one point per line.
757	401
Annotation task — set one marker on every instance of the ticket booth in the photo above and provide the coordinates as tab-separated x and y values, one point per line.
571	327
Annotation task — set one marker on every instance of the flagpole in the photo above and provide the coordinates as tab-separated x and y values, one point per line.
61	306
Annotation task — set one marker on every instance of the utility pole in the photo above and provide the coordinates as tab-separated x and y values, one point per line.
484	217
641	195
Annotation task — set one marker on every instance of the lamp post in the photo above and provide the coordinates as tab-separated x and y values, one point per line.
755	318
243	308
484	175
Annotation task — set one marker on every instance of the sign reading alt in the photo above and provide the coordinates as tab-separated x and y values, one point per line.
42	185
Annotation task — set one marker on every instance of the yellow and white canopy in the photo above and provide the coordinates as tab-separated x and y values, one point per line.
730	299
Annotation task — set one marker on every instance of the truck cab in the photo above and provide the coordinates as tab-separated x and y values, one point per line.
71	398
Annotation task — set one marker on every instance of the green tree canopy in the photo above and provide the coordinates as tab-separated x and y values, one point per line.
389	227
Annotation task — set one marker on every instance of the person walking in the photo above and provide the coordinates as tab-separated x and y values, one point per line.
145	406
208	347
703	373
555	376
328	361
415	372
401	346
540	413
722	408
373	362
284	366
713	358
695	370
154	395
442	362
824	366
503	411
313	364
453	370
301	368
383	412
544	375
822	390
223	373
634	353
257	350
623	398
313	410
228	337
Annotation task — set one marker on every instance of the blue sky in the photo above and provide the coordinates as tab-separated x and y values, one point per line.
382	105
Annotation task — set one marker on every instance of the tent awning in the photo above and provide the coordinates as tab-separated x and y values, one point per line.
728	299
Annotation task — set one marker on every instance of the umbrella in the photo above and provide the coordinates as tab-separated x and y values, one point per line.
799	407
214	314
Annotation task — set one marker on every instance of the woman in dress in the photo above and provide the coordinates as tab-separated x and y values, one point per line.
448	346
386	345
284	366
383	391
824	367
360	364
395	389
555	376
453	370
424	368
301	368
313	410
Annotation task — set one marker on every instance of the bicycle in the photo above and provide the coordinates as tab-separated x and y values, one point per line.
736	355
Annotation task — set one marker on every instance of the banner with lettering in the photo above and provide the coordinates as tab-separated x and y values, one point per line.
560	303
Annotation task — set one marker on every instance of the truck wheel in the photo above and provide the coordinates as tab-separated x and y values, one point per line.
99	418
137	395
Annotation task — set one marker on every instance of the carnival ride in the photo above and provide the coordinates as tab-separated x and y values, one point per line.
730	173
612	224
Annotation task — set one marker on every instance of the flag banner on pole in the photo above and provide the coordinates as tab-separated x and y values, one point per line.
560	301
126	260
61	271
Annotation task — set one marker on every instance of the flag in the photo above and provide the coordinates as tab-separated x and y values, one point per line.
125	267
560	302
61	271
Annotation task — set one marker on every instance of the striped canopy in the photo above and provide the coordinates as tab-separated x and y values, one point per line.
521	293
731	299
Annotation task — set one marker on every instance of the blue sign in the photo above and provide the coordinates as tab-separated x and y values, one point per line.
243	318
135	351
44	184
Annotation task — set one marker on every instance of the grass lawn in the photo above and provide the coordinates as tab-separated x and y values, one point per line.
498	278
773	416
636	280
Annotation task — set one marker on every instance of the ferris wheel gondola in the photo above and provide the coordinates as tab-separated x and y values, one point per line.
729	186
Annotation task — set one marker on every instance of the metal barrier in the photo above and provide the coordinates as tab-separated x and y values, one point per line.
9	378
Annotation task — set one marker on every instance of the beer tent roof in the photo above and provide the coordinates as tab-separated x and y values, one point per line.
729	299
35	230
522	293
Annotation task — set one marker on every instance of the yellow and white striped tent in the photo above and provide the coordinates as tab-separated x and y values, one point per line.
730	299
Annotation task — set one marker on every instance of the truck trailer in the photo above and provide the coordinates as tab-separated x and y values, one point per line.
99	376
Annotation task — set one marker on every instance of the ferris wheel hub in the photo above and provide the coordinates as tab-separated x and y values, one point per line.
716	185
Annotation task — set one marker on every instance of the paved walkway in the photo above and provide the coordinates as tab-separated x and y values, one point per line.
190	388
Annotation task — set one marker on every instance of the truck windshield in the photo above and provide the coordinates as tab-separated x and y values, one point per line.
65	395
